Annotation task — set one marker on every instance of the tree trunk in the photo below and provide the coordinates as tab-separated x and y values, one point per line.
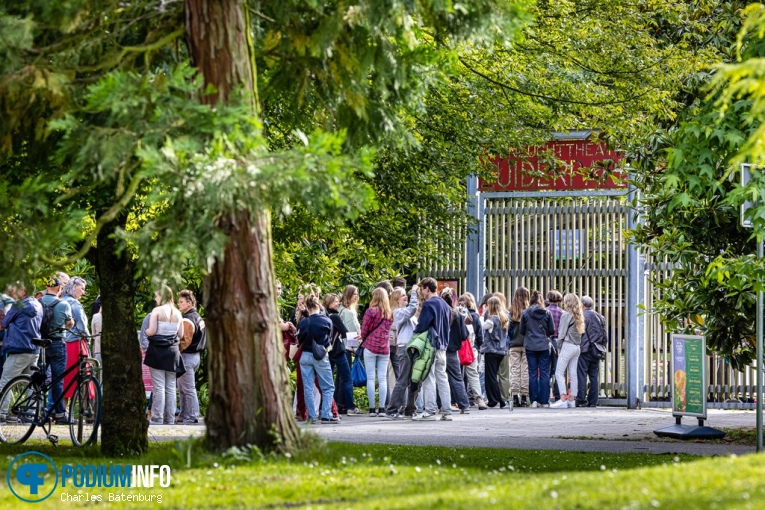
249	385
124	428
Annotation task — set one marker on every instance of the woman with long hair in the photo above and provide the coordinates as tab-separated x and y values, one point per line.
337	358
494	348
403	320
458	333
569	339
475	333
163	356
316	329
536	328
375	331
519	365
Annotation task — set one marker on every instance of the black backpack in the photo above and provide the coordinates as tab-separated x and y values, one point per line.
46	328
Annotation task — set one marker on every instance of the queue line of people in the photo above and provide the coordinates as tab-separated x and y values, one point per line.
517	350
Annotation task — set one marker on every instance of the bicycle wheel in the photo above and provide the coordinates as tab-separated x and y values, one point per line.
20	406
85	412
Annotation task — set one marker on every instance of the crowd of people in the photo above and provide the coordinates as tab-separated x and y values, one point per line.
483	355
421	353
172	338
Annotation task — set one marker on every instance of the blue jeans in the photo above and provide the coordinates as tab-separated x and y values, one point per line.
321	369
344	384
55	356
539	375
376	364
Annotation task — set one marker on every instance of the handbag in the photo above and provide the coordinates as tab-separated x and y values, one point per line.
466	353
319	351
358	371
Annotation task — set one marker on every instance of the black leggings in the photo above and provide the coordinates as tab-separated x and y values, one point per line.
491	368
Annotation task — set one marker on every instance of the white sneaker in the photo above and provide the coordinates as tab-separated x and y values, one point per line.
560	404
571	404
535	404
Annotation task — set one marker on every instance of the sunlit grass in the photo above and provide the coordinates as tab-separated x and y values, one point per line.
343	475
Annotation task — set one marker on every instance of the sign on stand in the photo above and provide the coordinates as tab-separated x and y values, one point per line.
689	389
689	397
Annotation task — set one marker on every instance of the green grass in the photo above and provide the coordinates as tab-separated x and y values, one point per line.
382	476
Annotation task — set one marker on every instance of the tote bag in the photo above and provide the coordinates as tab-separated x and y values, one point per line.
358	371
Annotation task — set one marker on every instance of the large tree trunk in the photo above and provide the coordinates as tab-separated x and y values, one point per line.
249	384
124	428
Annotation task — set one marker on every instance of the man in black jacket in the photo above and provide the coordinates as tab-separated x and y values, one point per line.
194	341
589	359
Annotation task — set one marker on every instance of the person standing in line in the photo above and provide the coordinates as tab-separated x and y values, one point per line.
337	358
403	321
55	353
194	329
76	344
589	359
536	328
519	365
457	334
349	313
316	328
375	331
96	325
475	331
569	340
21	323
494	348
504	366
554	297
435	314
163	356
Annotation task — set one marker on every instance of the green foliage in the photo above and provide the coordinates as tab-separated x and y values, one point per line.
691	206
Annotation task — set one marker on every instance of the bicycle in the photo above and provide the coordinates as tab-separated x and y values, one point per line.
23	402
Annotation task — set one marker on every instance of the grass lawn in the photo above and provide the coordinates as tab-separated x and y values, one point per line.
338	475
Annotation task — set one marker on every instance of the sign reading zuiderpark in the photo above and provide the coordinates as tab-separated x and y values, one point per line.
689	376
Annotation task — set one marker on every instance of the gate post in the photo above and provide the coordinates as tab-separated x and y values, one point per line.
474	265
635	355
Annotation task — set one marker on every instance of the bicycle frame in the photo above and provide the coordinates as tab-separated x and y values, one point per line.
42	389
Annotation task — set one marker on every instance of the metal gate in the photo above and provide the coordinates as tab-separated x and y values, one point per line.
571	244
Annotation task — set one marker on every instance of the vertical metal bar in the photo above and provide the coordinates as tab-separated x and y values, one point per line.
472	266
759	353
632	318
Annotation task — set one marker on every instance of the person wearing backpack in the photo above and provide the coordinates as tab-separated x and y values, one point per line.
57	315
192	346
22	324
589	361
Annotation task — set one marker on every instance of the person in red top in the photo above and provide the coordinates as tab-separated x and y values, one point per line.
375	329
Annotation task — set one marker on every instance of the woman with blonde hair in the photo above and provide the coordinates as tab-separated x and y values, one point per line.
375	329
519	365
494	348
163	355
569	339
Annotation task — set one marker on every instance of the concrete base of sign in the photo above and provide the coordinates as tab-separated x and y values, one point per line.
678	431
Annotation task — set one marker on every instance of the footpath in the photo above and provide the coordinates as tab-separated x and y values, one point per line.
602	429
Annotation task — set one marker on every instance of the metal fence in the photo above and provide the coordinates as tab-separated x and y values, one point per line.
727	387
577	244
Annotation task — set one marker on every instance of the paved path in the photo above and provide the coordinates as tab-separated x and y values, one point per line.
606	429
582	429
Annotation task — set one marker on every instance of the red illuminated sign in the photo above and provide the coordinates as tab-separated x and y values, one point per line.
578	165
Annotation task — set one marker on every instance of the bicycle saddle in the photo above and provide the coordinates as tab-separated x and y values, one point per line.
41	342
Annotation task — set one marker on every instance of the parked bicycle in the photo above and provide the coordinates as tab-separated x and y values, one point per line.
24	402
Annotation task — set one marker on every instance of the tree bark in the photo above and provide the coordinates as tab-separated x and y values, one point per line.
250	401
124	428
